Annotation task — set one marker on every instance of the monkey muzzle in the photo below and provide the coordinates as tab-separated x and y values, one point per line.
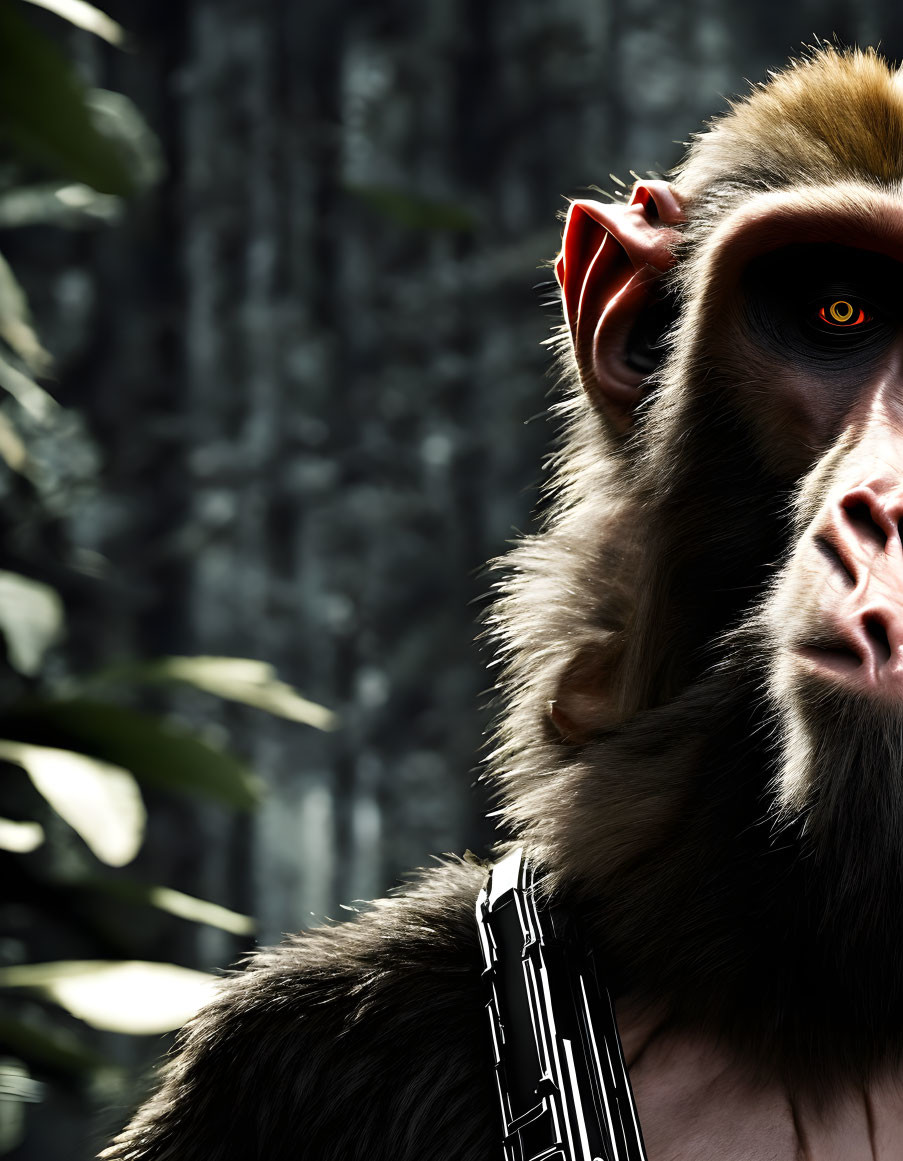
855	635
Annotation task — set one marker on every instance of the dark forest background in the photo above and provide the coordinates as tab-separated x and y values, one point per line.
297	342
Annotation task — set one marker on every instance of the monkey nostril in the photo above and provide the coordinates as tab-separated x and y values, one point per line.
863	522
877	634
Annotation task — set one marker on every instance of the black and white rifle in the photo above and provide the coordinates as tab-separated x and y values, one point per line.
563	1084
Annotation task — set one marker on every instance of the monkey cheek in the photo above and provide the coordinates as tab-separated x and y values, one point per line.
798	690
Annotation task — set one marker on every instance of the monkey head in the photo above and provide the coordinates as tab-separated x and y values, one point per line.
778	299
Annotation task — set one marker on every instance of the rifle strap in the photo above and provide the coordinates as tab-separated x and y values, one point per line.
562	1082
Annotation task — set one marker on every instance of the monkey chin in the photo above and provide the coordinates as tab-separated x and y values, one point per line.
834	689
839	743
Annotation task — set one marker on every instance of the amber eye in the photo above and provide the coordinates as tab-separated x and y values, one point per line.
843	313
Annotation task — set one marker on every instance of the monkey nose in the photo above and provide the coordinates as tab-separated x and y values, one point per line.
863	539
871	516
862	535
863	646
872	657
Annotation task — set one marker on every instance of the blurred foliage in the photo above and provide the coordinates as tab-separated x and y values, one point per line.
127	996
74	754
238	679
48	118
414	211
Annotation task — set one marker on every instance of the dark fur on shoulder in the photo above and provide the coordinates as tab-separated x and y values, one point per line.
366	1039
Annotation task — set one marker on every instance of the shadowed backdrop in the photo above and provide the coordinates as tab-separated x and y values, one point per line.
304	394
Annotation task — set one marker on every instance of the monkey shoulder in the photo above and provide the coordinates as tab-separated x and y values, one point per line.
364	1039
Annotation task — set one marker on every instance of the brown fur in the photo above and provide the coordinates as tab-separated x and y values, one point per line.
730	833
828	117
646	734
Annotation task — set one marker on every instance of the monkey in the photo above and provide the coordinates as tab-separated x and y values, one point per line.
701	735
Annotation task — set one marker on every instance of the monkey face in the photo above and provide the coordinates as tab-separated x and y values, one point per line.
811	349
834	617
849	582
769	454
825	325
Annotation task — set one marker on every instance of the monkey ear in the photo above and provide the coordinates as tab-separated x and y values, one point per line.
612	257
584	701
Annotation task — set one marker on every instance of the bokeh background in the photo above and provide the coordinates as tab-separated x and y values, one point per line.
273	294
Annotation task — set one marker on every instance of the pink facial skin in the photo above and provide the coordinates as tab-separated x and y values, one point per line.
846	431
862	599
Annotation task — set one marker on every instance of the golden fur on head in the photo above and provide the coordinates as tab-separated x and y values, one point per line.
829	116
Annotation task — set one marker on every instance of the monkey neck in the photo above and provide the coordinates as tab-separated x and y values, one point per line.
782	948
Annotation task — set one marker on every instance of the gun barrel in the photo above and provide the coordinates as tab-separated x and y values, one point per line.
563	1084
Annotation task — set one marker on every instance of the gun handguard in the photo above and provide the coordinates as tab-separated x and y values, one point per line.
563	1085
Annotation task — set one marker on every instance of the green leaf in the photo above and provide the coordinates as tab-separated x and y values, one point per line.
12	1116
156	752
12	449
101	802
200	911
15	322
413	211
48	1048
171	901
31	398
86	17
31	620
44	115
118	119
239	679
20	837
17	1088
130	996
55	203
